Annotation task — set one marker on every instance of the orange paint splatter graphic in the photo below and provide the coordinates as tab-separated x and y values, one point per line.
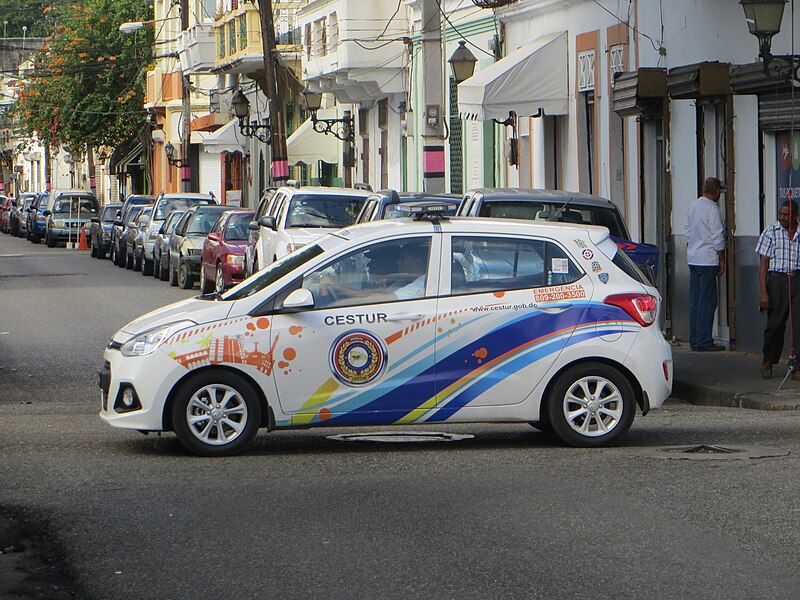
251	326
262	323
290	354
295	329
481	354
325	414
283	364
498	294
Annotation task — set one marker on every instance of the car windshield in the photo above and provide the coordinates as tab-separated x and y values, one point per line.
272	273
202	222
545	211
75	205
323	211
109	214
236	229
167	205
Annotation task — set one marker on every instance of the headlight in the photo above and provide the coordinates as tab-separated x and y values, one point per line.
235	259
147	342
55	223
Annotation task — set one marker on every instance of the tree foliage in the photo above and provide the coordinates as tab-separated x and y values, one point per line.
86	86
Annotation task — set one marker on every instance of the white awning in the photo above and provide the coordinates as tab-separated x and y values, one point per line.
527	80
227	138
307	146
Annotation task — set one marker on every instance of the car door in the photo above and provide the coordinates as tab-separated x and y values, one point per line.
515	302
364	354
266	235
176	239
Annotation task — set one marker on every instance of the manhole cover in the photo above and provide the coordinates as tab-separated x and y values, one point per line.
709	452
400	437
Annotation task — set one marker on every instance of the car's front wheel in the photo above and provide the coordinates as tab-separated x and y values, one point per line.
185	279
216	413
219	279
206	285
591	404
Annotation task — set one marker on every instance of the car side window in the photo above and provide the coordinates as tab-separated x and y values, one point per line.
484	264
388	271
217	228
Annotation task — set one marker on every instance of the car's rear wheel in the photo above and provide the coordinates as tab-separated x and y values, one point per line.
49	241
219	279
122	257
185	279
216	413
137	262
206	285
163	272
591	404
128	260
147	266
173	276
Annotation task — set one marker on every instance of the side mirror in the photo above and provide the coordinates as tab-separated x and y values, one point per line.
253	226
268	222
214	237
118	222
95	219
46	213
299	299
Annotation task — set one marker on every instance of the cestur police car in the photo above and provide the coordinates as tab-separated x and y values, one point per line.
410	321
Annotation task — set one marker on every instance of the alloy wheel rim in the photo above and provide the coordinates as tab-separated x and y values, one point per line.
216	414
219	281
593	406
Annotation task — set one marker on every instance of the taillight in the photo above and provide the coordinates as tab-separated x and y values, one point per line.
642	307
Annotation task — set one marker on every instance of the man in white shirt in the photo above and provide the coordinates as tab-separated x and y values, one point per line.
705	237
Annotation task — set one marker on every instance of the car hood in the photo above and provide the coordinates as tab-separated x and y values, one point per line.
306	235
192	309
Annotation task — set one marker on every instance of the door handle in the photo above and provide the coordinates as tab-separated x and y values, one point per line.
553	307
405	317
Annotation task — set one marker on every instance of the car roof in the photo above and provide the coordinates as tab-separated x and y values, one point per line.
209	208
469	225
188	195
551	196
325	191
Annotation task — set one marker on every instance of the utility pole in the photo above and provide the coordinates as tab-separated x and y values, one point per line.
186	112
280	160
433	169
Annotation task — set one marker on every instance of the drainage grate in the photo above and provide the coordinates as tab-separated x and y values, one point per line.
400	437
708	452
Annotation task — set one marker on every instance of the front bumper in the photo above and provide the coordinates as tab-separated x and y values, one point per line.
193	264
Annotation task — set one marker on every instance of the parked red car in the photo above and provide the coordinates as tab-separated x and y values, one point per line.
222	262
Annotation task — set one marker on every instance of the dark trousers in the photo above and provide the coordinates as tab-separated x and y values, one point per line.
702	305
778	287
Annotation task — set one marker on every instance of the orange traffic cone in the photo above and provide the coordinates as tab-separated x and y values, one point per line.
82	243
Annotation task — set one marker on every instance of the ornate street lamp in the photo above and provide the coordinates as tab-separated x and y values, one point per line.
340	128
241	109
764	21
169	150
462	62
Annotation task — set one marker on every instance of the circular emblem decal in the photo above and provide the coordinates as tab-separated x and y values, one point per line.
357	357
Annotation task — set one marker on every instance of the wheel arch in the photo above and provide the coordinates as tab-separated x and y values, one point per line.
641	400
267	416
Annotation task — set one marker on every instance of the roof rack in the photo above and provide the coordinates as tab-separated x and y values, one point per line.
426	211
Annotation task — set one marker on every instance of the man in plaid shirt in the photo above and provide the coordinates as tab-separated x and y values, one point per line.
779	284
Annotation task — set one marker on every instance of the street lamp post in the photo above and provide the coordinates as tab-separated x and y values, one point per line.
462	62
241	109
764	21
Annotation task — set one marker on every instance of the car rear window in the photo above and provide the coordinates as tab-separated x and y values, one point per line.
166	206
543	211
308	210
236	229
75	204
203	222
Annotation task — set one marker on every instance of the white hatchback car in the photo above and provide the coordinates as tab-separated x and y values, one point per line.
403	322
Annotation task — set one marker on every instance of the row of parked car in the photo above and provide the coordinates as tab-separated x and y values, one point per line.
187	238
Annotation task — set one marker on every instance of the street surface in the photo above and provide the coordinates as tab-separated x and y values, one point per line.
506	514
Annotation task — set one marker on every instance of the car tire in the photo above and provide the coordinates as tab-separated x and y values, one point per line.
216	394
147	266
219	279
101	253
591	404
49	242
94	247
173	275
122	257
185	279
206	285
128	260
137	262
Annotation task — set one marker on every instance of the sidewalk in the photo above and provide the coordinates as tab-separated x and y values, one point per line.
731	379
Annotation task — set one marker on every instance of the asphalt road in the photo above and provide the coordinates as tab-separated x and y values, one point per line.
90	512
